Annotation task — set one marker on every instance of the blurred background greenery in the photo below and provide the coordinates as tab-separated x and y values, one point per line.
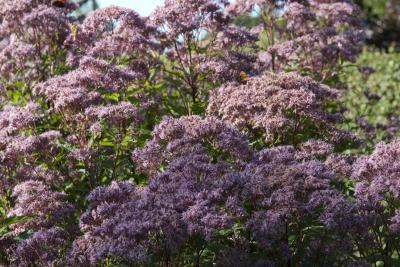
372	97
382	18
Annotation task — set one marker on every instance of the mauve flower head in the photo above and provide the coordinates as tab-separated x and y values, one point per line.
83	154
23	6
117	224
39	173
52	22
112	32
17	55
23	146
68	92
43	248
47	208
377	180
265	104
15	13
119	115
33	28
228	66
189	17
341	165
338	13
283	192
299	17
109	76
17	142
235	36
316	35
13	119
192	164
189	198
326	46
240	7
263	187
232	58
177	137
395	222
202	44
314	149
381	163
77	90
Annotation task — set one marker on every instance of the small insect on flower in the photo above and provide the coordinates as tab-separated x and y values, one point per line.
58	3
244	76
74	30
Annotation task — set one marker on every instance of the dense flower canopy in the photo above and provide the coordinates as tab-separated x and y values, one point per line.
210	133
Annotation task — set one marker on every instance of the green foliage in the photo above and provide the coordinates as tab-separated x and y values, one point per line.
385	82
247	21
374	7
6	224
382	20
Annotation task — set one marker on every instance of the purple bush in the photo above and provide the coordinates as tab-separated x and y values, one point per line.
188	138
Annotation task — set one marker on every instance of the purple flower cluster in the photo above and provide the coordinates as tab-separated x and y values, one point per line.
33	198
22	152
79	89
202	43
16	143
190	135
286	193
110	33
190	198
377	188
277	105
41	249
339	38
28	30
185	17
109	52
316	34
196	190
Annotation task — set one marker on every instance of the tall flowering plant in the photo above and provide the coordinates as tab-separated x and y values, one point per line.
310	36
186	138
